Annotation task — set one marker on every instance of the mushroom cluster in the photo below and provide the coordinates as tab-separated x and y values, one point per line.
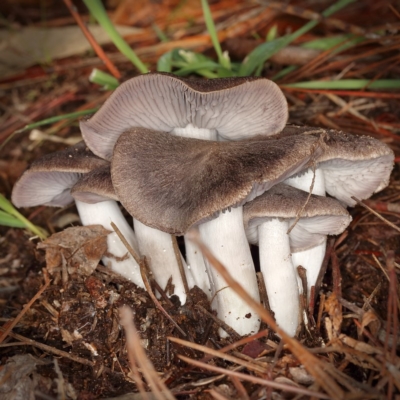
216	156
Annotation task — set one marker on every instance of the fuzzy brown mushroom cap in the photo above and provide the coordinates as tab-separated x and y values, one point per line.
352	165
95	186
236	108
171	183
320	217
49	179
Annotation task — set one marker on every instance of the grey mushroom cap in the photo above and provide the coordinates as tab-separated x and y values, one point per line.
236	108
352	165
321	216
49	179
172	183
95	186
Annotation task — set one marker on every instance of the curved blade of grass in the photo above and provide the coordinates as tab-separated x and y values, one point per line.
51	120
284	72
349	84
327	43
263	52
8	208
103	79
98	11
9	220
160	34
223	59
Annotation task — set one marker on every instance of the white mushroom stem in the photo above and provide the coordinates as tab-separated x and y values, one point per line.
226	239
103	213
193	132
197	266
279	273
310	259
159	251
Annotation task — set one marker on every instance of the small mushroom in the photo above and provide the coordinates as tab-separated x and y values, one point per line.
267	220
351	165
173	183
49	180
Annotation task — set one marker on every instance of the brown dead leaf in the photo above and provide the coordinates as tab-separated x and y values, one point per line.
82	248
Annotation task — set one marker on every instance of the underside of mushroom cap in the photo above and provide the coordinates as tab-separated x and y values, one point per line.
49	179
236	108
95	186
353	165
321	215
41	188
171	183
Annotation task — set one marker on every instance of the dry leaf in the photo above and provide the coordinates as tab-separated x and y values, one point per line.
82	248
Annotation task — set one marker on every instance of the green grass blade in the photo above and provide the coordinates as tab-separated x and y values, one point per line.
223	59
103	79
263	52
260	55
284	72
160	34
52	120
348	84
6	206
9	220
97	9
